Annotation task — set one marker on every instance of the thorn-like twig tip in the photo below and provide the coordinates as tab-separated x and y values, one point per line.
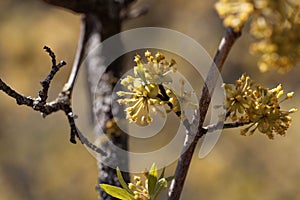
72	140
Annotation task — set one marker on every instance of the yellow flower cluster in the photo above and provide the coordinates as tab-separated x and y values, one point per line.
139	188
238	97
149	188
235	13
275	26
112	128
257	106
148	88
144	88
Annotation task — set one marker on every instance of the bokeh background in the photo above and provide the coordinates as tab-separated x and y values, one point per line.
38	162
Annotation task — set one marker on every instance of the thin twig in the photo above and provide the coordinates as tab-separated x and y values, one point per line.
221	125
43	94
62	102
83	39
20	99
193	135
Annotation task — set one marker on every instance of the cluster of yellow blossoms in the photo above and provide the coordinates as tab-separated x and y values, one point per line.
151	187
139	189
252	104
275	25
144	91
149	88
235	13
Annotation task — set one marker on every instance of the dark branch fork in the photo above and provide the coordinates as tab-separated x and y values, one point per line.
61	103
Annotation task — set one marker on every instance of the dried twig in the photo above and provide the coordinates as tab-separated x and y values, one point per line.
43	94
80	53
221	125
62	102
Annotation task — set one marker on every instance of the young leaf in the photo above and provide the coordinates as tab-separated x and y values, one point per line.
152	179
169	178
161	184
117	192
122	182
162	173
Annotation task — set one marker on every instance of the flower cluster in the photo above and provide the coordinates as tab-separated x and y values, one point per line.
274	25
112	128
252	104
235	13
139	189
238	97
149	88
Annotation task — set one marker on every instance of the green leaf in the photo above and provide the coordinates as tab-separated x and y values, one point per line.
152	179
162	173
161	184
122	182
169	178
117	192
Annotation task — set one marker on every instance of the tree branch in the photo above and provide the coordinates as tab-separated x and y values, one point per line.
79	6
90	6
43	94
193	135
62	102
83	39
101	98
102	19
20	99
221	125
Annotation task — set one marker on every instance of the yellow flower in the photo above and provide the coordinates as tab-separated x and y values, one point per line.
258	106
238	97
274	25
143	94
235	13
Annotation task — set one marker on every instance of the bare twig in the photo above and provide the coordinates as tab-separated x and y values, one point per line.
20	99
193	135
221	125
62	102
43	94
83	39
89	6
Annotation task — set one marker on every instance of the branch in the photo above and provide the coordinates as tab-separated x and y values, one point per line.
20	99
62	102
43	94
90	6
79	6
83	39
221	125
193	135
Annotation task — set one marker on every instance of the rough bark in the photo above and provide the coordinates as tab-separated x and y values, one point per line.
102	89
102	19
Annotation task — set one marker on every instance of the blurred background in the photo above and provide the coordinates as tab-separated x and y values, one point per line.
38	162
